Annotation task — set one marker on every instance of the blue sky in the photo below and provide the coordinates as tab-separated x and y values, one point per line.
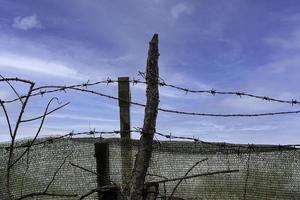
229	45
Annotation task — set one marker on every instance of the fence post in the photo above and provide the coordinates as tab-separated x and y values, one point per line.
103	170
145	148
125	127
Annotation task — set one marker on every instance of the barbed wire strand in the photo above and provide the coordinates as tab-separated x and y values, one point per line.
162	83
168	136
64	88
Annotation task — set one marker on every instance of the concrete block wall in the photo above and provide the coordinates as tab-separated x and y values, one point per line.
44	161
266	172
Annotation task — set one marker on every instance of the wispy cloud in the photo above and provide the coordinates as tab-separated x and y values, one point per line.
4	94
237	104
36	65
288	36
181	9
27	23
295	17
81	118
59	58
288	65
292	42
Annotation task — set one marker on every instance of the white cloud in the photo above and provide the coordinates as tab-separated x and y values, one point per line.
288	42
181	9
83	118
4	94
256	128
36	65
86	62
249	105
284	65
26	23
291	18
156	1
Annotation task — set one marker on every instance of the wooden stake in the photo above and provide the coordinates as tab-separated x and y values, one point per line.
125	127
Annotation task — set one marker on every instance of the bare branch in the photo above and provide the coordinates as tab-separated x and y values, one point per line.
90	171
48	113
14	134
103	189
7	119
84	169
194	176
175	188
37	133
12	87
55	173
36	194
18	80
25	173
45	192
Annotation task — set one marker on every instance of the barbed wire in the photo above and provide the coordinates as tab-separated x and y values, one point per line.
169	136
239	94
229	115
215	92
68	135
162	83
83	88
65	88
220	144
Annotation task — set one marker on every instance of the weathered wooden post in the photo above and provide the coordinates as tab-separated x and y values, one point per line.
145	148
126	149
102	160
124	104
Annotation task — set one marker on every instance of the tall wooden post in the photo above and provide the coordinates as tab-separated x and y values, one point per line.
124	99
143	156
126	149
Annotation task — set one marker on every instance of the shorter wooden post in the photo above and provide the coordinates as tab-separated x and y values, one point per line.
102	160
151	191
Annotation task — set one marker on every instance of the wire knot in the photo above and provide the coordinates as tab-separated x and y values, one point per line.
266	98
135	81
86	84
240	94
162	83
213	92
294	101
108	80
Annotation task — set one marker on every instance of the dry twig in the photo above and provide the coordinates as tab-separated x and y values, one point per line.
175	188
